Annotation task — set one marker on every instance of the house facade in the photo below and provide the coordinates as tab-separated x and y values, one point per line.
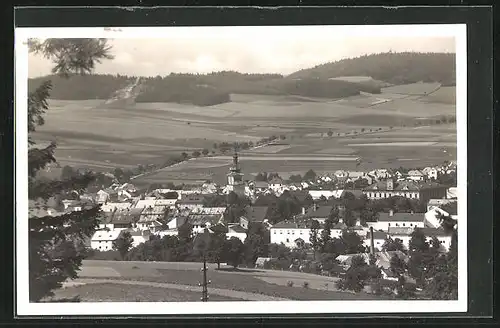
396	220
409	189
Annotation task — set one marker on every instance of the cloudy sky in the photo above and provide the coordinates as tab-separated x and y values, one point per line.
268	50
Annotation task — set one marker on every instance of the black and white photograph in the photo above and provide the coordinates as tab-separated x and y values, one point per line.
193	170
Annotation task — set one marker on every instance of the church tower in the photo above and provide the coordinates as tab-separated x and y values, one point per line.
235	177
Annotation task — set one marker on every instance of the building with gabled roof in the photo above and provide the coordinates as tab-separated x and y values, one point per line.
256	214
391	220
409	189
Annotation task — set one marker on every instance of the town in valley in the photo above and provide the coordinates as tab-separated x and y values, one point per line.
336	182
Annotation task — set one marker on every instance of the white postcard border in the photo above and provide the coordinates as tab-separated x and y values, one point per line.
25	308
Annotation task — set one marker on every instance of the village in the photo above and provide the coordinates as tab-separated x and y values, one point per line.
163	212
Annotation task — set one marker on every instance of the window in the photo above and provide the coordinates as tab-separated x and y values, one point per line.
287	240
411	224
397	224
274	232
389	224
403	224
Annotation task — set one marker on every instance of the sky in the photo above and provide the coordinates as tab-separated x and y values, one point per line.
251	50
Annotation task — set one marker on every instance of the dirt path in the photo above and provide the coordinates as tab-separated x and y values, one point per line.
215	291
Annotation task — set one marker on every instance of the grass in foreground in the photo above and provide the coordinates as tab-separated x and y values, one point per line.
129	293
244	283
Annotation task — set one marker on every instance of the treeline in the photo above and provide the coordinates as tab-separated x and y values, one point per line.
395	68
82	87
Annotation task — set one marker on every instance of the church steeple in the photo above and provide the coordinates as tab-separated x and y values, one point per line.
236	167
235	177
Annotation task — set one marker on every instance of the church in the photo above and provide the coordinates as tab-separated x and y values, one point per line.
235	181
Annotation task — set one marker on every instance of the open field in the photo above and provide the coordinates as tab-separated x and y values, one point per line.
90	136
243	284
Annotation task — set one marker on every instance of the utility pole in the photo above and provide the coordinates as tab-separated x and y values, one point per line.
205	283
201	243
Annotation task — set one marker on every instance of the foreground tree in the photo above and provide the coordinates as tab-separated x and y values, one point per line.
234	251
123	243
56	244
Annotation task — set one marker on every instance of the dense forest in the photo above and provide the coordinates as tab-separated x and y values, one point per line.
215	88
395	68
82	87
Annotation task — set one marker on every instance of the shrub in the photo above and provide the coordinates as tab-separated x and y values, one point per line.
289	283
305	284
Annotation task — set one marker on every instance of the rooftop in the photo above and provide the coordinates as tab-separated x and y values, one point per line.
401	217
319	212
404	186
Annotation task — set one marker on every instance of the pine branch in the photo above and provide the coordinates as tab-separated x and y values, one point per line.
46	189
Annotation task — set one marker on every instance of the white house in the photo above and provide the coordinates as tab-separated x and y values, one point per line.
391	219
452	193
405	235
139	237
102	240
236	231
341	174
276	185
431	172
431	217
289	234
316	194
415	175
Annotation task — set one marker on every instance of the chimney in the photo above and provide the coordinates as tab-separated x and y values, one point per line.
391	212
372	244
303	210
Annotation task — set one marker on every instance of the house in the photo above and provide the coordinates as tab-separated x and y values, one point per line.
317	194
431	217
383	259
260	186
341	175
380	174
357	175
111	207
452	193
139	237
106	195
379	238
257	214
276	185
150	217
237	231
409	189
289	233
200	222
431	172
124	219
391	219
102	240
439	233
191	201
439	202
318	213
415	175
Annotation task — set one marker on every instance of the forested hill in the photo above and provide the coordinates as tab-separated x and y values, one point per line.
395	68
200	90
215	88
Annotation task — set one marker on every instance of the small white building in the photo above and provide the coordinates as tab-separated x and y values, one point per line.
391	219
431	172
139	237
316	194
405	235
379	238
102	240
276	185
289	234
415	175
236	231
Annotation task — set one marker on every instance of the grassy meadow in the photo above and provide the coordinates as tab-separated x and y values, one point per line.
379	129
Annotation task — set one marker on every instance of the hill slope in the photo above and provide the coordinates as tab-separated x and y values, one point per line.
395	68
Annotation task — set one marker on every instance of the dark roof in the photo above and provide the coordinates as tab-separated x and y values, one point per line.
192	199
197	219
276	180
404	186
376	235
256	213
355	192
431	232
126	216
401	217
320	212
261	184
238	229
